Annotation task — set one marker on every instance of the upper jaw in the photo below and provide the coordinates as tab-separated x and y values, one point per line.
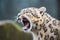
30	24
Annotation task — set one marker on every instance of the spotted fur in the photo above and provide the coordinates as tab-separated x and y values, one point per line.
44	26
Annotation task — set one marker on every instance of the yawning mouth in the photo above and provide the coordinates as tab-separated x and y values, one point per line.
26	23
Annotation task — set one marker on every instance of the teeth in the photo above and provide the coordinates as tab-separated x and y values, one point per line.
26	26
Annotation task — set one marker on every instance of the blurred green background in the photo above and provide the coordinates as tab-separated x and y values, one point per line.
10	30
10	8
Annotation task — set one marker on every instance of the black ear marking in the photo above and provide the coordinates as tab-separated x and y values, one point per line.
41	12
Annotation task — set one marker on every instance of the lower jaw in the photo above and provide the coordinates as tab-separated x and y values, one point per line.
28	30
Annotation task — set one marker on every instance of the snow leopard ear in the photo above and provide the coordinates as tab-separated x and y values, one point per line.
42	9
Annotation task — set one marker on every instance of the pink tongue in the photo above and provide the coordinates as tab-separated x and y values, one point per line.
26	26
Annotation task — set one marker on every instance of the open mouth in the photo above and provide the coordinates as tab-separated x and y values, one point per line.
26	23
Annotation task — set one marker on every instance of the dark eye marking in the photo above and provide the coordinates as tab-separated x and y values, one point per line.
18	15
42	13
